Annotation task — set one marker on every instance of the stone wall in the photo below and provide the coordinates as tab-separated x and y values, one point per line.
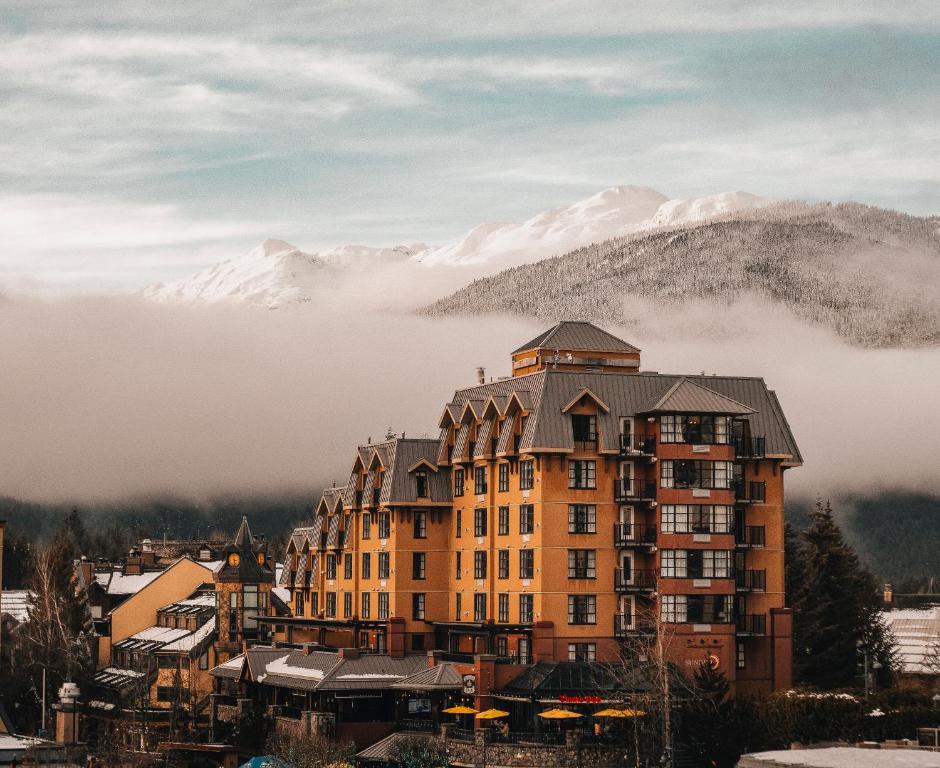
572	754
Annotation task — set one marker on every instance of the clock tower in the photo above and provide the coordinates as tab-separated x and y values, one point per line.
243	592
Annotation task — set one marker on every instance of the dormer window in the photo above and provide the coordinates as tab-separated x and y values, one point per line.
584	428
421	485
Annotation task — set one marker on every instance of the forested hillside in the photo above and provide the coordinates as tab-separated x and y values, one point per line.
872	275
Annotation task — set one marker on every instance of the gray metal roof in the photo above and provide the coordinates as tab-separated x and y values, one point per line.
688	397
577	335
548	428
441	677
384	751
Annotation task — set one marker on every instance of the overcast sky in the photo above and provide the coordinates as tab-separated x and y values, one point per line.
141	141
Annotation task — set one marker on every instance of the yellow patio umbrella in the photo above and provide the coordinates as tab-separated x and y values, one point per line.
461	710
611	713
633	713
491	714
559	714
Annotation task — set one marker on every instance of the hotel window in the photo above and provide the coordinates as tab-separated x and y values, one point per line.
459	560
698	430
347	604
418	565
582	651
366	604
331	605
457	606
383	605
503	608
584	428
697	518
710	564
502	646
526	603
421	485
458	482
582	474
582	518
581	563
383	565
479	522
526	563
479	480
347	566
526	518
709	609
385	525
479	606
526	475
740	658
582	609
503	521
458	517
689	473
417	642
421	525
366	525
331	567
673	609
503	572
204	660
366	565
298	604
503	477
314	603
417	606
673	563
479	565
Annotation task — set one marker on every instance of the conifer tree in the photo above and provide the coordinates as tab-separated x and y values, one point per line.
836	609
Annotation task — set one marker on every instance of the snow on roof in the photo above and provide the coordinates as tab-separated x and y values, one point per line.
917	636
16	603
159	634
212	565
206	599
845	757
190	641
282	593
121	672
117	583
234	663
12	741
280	667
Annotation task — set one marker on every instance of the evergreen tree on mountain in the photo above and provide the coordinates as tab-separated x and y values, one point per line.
836	608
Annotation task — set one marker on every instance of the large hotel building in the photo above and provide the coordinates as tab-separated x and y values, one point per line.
568	512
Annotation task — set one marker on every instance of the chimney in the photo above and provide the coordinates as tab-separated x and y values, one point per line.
888	594
481	375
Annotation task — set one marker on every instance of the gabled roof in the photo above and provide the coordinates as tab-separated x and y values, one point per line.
577	335
585	392
441	677
688	397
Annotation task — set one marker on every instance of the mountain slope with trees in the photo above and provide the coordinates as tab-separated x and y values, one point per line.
871	275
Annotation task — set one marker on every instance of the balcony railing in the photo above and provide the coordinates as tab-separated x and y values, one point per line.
634	535
629	624
754	624
629	489
634	580
749	447
751	581
750	491
637	444
752	536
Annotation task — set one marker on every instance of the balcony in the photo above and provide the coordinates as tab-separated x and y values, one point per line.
627	535
751	625
751	581
637	445
749	447
751	537
630	489
750	491
634	580
630	625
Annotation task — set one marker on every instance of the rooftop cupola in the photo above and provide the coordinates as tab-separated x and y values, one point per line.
576	346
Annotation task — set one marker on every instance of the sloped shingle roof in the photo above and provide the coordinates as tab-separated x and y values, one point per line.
577	335
689	397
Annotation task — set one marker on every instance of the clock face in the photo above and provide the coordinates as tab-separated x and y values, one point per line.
261	558
234	559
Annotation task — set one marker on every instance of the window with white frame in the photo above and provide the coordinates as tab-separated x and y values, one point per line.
582	651
582	609
672	609
383	605
582	518
697	518
479	606
673	563
526	475
582	474
698	430
581	563
503	613
526	608
691	473
503	478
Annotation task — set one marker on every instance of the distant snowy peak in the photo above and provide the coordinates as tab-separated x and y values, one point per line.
273	274
602	216
691	210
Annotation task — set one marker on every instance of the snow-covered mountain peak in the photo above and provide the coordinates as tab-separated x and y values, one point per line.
675	212
272	247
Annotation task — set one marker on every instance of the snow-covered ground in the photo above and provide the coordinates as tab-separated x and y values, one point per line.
276	273
843	757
